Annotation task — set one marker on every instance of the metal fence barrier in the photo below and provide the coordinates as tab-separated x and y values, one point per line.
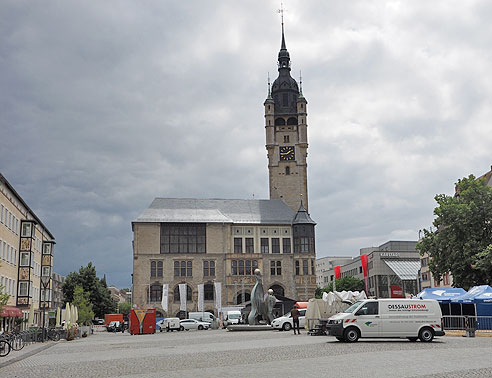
467	323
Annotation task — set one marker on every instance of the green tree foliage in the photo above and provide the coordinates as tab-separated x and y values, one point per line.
125	308
346	283
4	297
99	295
462	242
82	301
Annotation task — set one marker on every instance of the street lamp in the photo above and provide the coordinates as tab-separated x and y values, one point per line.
45	281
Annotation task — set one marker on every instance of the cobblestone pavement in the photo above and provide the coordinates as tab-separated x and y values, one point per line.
218	353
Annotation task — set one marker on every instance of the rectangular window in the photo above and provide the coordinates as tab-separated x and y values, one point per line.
24	258
46	248
275	245
238	245
1	215
153	268
23	288
176	269
46	272
286	139
264	245
26	230
159	268
234	267
209	268
298	269
183	238
313	268
243	267
305	267
250	246
276	268
182	268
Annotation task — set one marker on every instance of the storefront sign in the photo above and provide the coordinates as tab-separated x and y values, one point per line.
396	291
389	254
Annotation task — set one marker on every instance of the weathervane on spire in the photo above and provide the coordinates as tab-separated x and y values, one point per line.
300	82
269	88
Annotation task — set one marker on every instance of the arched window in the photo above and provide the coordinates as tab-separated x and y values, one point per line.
159	268
176	293
292	121
277	290
239	297
279	122
155	293
208	292
153	268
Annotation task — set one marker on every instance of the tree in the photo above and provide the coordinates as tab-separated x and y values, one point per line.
99	295
462	242
346	283
125	308
4	297
82	301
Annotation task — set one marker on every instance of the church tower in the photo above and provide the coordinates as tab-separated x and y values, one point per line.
286	135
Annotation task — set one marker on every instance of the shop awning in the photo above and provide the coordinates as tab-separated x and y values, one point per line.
404	269
10	312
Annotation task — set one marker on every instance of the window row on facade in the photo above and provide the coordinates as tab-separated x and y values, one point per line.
9	220
155	293
8	253
8	285
182	268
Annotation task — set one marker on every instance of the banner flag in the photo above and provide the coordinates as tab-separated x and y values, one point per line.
165	296
218	296
200	297
182	297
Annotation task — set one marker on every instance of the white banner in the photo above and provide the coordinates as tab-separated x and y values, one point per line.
165	296
218	296
200	297
182	297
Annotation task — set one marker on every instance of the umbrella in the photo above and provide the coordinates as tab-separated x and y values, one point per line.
67	314
30	320
58	317
76	314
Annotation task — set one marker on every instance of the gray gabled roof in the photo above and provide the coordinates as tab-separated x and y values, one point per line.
191	210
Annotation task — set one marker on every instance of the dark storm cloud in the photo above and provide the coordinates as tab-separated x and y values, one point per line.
107	105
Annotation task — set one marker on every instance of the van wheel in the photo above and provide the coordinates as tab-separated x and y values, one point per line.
413	339
286	327
426	334
351	335
200	327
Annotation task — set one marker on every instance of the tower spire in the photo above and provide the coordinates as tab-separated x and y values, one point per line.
269	88
300	84
281	11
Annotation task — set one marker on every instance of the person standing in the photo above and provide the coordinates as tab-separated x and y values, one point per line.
295	319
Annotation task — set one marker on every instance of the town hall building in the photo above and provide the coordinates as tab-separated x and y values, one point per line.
184	243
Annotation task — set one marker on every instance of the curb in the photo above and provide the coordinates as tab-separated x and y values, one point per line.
26	355
462	333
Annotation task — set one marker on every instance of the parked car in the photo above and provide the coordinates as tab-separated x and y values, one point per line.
114	326
98	322
169	324
285	322
187	324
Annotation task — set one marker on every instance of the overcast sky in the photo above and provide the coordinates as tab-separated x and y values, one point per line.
105	105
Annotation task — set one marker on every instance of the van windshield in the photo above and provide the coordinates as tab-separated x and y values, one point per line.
353	307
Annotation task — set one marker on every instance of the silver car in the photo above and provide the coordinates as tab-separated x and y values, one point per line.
187	324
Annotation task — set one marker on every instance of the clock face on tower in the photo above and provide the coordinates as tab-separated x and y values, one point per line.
287	153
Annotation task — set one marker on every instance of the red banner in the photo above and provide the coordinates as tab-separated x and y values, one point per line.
363	260
338	273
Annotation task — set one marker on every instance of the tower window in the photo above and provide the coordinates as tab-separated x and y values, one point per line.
286	139
287	170
268	107
292	121
279	122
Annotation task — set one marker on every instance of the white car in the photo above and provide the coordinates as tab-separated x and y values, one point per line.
286	323
187	324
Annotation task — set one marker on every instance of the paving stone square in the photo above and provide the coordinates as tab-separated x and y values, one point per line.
219	353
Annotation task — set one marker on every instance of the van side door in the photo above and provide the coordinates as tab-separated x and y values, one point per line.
368	319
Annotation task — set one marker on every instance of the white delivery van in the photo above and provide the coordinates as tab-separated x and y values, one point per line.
231	317
400	318
202	316
169	324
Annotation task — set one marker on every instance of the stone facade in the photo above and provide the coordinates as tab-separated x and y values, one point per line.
26	253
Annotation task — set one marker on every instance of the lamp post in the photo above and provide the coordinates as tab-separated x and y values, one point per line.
45	281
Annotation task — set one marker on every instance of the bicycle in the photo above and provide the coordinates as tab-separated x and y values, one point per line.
5	346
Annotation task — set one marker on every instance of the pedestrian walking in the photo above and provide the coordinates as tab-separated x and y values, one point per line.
295	319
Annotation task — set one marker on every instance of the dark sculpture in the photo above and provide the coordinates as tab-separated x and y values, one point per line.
260	305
